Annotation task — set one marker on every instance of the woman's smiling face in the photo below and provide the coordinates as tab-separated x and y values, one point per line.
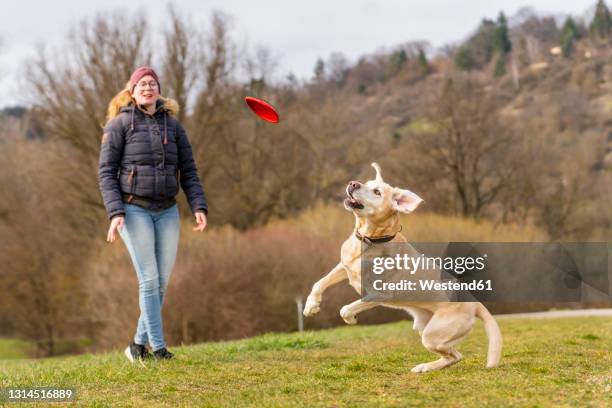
146	91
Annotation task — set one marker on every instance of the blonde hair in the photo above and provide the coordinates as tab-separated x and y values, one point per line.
123	98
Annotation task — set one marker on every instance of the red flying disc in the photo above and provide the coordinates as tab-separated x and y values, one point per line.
262	109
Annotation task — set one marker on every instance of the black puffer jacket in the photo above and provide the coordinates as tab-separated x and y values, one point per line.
147	156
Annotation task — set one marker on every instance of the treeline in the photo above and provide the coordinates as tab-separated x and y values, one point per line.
518	136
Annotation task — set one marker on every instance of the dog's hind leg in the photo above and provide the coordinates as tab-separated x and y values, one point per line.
338	274
441	334
349	312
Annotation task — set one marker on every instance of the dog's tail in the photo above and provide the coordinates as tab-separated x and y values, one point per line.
494	334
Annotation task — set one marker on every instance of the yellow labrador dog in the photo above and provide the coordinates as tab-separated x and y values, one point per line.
442	325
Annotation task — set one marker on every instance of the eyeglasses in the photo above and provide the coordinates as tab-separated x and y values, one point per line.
152	84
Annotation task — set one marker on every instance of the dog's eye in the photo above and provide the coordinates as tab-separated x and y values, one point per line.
377	192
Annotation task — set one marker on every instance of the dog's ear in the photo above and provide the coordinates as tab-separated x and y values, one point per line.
405	200
378	172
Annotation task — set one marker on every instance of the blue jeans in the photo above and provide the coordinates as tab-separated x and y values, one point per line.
151	238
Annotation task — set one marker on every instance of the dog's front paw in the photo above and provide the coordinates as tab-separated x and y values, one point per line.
348	316
312	307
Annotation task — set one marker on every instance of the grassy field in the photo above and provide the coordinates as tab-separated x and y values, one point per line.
550	362
13	348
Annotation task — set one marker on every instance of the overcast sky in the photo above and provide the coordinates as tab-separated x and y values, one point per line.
297	32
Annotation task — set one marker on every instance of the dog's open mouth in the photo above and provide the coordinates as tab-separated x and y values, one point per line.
352	202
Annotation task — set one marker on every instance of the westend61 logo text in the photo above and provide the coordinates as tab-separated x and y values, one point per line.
411	264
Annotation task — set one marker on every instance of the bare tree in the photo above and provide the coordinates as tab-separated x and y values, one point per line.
44	249
462	143
70	91
215	101
338	69
180	59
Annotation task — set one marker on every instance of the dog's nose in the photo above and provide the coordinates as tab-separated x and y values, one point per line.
354	185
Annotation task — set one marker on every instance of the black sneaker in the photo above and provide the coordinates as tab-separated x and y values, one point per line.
144	353
162	354
136	352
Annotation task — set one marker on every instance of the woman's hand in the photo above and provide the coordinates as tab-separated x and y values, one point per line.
116	224
201	220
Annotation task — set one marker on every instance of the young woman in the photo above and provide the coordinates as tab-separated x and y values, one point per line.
144	157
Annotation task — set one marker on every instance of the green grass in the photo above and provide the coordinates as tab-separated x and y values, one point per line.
549	362
13	348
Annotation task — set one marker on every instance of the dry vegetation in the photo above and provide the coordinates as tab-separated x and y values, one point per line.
231	284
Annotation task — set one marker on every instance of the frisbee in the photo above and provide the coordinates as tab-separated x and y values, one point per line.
262	109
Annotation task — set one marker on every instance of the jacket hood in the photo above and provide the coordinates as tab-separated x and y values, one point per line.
163	104
123	102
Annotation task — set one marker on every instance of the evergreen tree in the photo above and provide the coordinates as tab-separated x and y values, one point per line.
501	40
500	65
423	63
464	59
601	24
319	71
569	35
396	62
501	45
491	42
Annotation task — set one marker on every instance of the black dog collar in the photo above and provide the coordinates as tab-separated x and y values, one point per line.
373	240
